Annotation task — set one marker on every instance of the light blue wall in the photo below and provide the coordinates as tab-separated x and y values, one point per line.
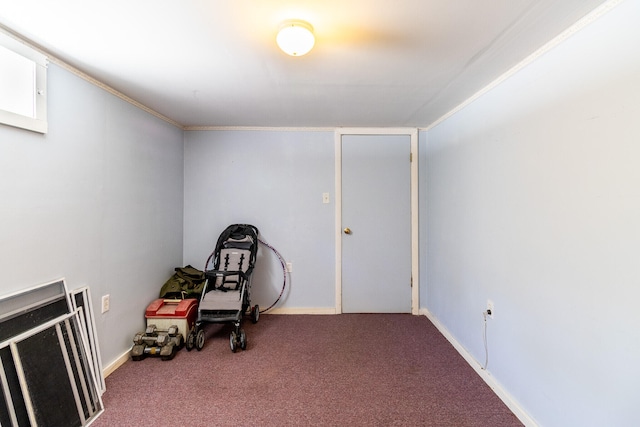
273	180
97	200
533	201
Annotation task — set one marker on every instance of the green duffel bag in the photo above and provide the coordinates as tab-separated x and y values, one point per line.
186	282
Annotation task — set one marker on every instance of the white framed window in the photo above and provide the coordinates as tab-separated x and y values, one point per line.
23	85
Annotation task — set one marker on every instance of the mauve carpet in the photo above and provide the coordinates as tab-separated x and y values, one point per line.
348	369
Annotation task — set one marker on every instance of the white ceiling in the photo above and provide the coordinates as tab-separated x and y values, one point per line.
376	63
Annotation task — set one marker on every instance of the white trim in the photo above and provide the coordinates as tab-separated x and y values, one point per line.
21	47
260	128
486	376
415	237
579	25
24	122
375	131
415	226
301	310
36	122
337	235
121	360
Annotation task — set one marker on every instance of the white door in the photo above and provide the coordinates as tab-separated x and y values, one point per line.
376	224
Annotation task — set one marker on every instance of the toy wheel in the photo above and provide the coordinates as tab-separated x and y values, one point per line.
191	341
255	313
243	340
233	341
200	340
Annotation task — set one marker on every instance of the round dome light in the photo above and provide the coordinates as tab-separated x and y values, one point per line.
295	37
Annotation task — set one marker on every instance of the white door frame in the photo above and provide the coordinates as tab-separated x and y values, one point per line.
415	261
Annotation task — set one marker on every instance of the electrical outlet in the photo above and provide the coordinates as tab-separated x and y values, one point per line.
289	267
105	303
490	309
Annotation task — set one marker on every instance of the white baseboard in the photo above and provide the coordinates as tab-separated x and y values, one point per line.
486	376
108	370
302	310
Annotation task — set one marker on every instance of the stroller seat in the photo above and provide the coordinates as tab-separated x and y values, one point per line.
221	301
226	296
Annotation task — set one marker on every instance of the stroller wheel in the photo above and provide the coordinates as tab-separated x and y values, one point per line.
255	313
243	340
191	341
200	339
233	341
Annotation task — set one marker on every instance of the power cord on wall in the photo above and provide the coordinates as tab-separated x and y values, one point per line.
484	339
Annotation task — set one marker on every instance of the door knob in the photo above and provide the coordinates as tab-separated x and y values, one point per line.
347	230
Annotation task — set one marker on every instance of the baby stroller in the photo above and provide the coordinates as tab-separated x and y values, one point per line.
226	296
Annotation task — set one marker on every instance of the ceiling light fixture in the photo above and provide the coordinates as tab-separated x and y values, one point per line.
295	37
